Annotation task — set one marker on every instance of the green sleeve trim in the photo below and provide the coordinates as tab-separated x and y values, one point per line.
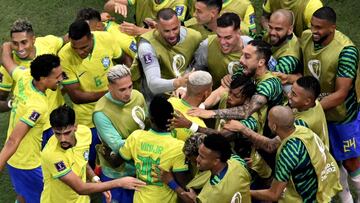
27	122
62	173
5	86
180	170
70	82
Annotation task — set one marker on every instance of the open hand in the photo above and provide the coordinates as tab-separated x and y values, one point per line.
130	183
179	121
202	113
234	125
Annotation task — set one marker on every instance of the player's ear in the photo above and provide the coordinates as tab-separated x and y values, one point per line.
262	62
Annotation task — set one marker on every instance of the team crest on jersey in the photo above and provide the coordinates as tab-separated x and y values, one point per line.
139	116
272	63
315	68
106	62
233	66
22	68
60	166
179	10
178	64
34	116
133	47
1	77
86	155
148	58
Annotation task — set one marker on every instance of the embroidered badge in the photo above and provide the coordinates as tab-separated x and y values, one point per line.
179	10
86	155
133	46
314	66
272	63
148	58
252	19
60	166
106	62
34	116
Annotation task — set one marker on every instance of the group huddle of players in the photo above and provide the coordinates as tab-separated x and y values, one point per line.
190	103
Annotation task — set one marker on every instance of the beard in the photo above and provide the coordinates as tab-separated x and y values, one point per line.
281	40
321	40
250	72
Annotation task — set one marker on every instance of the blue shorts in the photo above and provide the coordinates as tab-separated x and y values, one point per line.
27	183
46	136
118	195
92	152
345	139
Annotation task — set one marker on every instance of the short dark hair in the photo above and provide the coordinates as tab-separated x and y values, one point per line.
263	49
165	14
219	145
212	3
326	13
88	14
62	117
160	111
229	19
21	25
42	65
248	87
79	29
311	84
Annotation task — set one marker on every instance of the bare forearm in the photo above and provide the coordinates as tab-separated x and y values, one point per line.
80	97
333	100
89	188
8	150
6	57
110	5
89	172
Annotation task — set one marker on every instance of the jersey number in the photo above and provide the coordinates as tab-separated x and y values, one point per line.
145	167
97	81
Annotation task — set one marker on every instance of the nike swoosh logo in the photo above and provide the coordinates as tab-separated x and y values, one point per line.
82	73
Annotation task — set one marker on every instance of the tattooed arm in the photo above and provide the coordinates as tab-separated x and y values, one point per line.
259	141
242	112
262	142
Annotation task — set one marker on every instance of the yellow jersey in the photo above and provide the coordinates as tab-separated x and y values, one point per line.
57	162
183	107
127	42
148	149
49	44
30	107
90	72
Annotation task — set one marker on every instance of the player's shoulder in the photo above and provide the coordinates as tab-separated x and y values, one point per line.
102	36
83	135
50	150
